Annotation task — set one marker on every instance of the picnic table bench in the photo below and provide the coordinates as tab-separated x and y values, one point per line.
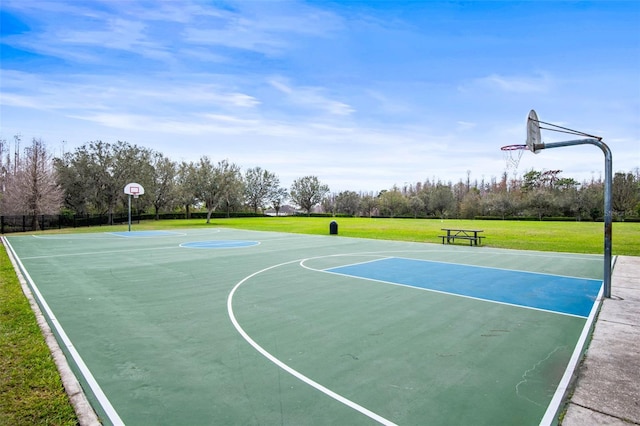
464	234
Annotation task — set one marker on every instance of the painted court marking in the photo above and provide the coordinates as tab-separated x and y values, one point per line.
566	295
219	244
102	399
423	269
286	367
146	234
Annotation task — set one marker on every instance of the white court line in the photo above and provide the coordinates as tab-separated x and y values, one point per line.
284	366
414	287
382	257
96	253
84	370
551	415
147	234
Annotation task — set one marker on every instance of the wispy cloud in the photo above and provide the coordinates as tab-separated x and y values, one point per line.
516	84
397	91
311	97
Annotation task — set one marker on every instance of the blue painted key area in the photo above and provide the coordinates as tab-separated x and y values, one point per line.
573	296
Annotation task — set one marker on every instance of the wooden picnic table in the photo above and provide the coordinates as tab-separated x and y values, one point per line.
464	234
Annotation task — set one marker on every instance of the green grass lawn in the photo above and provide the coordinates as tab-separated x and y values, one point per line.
30	389
573	237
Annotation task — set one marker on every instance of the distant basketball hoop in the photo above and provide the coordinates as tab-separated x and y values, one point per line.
133	190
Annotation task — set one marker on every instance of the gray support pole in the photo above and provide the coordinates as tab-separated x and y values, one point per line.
129	212
608	190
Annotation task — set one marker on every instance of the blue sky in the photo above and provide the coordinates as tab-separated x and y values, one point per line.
364	95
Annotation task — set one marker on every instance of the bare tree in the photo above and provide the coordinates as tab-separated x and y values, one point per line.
32	189
3	169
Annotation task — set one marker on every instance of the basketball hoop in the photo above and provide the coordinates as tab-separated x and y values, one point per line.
133	190
512	155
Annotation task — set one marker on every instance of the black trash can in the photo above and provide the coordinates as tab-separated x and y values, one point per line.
333	228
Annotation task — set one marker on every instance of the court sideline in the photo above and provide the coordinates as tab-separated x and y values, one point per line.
607	387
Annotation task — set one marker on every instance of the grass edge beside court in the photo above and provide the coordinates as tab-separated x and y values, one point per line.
30	387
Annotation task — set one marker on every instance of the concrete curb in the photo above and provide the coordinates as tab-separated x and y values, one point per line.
607	387
84	411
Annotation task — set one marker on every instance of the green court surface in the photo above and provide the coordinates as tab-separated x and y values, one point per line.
225	326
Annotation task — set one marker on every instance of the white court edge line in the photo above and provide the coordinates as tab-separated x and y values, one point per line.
554	406
93	384
446	293
327	271
284	366
458	264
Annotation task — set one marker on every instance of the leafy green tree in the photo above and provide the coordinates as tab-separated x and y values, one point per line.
416	205
306	192
133	164
392	203
471	204
72	173
98	172
162	191
442	201
328	204
259	187
591	200
531	180
277	198
565	184
539	202
625	193
500	204
231	186
368	204
218	186
187	186
348	202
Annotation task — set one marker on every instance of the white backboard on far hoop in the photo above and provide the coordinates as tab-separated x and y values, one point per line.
134	189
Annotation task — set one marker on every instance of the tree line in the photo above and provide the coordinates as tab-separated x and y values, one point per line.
91	179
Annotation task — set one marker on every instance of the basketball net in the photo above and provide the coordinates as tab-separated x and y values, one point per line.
512	155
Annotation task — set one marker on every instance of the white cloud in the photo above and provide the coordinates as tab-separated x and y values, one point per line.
312	97
541	83
346	92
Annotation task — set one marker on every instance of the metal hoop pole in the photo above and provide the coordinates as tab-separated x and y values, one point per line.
608	190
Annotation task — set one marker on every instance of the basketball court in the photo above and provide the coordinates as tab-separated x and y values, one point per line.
222	326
